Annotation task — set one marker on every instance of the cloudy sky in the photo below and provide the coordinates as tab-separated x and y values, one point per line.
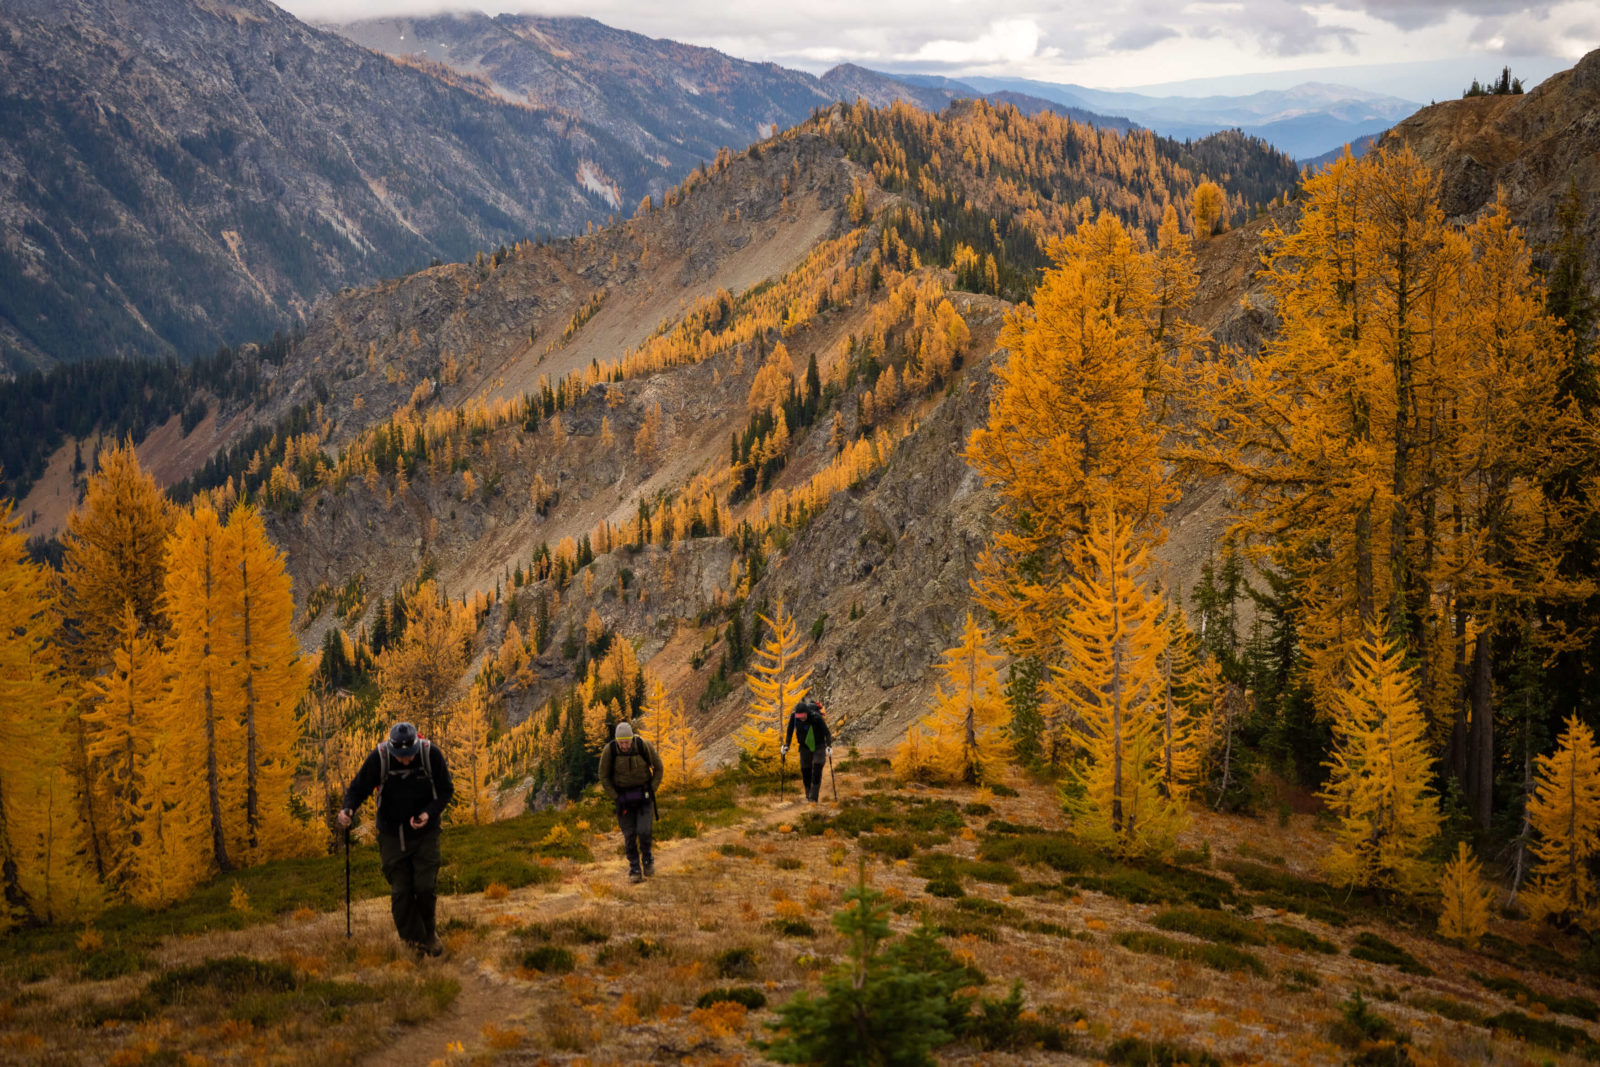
1130	43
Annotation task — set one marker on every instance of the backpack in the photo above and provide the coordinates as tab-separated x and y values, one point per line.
425	750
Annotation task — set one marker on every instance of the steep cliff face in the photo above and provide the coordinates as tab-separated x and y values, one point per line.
177	174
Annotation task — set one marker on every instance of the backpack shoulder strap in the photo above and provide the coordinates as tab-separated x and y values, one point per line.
383	771
427	765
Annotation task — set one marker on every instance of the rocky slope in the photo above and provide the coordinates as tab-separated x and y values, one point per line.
1534	147
180	173
668	101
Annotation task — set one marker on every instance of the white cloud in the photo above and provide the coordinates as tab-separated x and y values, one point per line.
1006	41
1091	42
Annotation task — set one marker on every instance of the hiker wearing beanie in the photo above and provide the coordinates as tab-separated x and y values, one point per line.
412	782
630	771
816	744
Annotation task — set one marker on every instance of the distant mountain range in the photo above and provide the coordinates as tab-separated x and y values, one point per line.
184	174
678	98
1304	121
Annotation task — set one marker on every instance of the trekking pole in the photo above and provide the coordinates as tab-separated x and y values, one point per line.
832	779
783	773
347	882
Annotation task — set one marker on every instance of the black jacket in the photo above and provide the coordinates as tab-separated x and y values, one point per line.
815	725
405	795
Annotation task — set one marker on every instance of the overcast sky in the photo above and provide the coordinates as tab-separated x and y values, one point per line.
1089	42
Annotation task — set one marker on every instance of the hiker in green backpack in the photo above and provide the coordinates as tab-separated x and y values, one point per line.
412	781
816	744
630	772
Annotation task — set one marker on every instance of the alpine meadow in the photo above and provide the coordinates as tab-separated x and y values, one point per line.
847	569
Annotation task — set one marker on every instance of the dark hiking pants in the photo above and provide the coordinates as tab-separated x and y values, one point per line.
812	765
413	876
636	825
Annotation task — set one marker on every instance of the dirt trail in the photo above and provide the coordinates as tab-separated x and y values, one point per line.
489	997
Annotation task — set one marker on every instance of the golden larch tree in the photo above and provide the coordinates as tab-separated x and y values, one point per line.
1108	697
965	735
1565	814
1075	424
676	740
44	861
1208	206
1466	898
122	715
1378	786
267	678
419	673
198	606
470	756
113	552
775	689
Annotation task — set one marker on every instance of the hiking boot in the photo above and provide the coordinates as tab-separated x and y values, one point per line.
635	876
649	867
434	947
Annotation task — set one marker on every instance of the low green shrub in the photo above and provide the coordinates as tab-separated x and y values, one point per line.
794	928
549	959
1287	936
1217	957
735	963
945	887
1211	926
744	852
1138	1052
990	908
633	950
788	863
1374	1040
753	999
1296	980
1447	1007
1542	1032
1374	949
977	809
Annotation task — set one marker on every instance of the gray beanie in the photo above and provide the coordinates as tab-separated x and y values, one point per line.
624	730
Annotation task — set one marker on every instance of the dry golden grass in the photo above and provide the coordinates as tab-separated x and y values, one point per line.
644	954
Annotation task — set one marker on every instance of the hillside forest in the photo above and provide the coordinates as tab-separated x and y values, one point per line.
1398	620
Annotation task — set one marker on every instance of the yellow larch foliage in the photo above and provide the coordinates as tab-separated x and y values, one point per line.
44	860
470	757
1106	697
676	740
1208	206
773	380
196	601
113	553
1073	426
1466	899
160	812
1565	814
267	678
1188	694
965	736
775	689
1378	784
419	673
121	717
